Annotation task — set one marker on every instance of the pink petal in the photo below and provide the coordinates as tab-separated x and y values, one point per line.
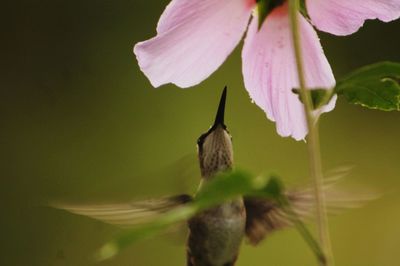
193	39
270	72
344	17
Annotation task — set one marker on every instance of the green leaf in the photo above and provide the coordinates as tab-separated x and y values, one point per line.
223	187
376	86
227	186
273	189
319	97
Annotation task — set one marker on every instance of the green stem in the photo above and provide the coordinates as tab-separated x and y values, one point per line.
313	145
302	229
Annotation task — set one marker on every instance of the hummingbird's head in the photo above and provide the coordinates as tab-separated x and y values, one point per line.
215	146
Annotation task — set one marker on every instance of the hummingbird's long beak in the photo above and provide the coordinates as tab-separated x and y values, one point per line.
219	118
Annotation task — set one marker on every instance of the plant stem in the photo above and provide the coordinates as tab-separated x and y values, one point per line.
302	229
313	145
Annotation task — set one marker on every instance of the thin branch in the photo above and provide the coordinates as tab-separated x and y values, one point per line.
313	145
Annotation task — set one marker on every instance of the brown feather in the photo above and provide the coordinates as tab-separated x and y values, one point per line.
264	216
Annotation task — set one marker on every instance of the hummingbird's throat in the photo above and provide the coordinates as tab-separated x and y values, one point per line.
216	154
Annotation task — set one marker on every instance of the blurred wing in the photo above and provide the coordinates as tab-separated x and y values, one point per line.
264	216
128	214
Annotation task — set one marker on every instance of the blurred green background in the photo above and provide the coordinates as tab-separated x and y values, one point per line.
80	122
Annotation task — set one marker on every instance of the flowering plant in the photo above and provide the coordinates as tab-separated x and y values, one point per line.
288	76
195	37
282	56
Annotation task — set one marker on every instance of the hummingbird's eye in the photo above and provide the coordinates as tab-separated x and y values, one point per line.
200	140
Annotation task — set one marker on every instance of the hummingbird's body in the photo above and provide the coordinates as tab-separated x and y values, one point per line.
216	234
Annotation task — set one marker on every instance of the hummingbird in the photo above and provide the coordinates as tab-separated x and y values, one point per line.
216	234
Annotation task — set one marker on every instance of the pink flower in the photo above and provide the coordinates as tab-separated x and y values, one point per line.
344	17
195	37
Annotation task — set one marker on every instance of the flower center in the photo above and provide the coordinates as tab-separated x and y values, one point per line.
264	7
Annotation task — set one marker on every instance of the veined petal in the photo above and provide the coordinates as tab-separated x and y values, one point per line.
270	73
344	17
193	39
